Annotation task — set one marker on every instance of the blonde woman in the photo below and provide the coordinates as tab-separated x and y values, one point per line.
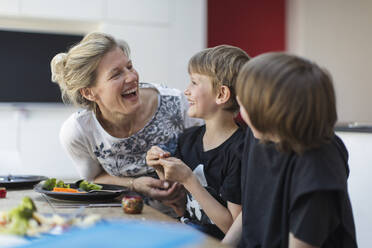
120	118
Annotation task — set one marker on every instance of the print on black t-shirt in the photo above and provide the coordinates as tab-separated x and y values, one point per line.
193	208
218	170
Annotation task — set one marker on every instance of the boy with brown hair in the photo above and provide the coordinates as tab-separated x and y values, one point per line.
294	168
207	161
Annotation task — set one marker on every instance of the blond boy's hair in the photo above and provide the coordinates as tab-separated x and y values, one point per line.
290	98
221	64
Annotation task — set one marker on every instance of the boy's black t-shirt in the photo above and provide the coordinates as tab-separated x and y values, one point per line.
305	195
218	170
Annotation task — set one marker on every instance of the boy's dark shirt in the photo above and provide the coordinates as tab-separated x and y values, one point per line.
305	195
221	167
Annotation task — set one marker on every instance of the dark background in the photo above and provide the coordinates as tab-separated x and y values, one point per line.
25	57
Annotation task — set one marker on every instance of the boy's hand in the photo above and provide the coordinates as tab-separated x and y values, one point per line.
155	153
174	169
152	159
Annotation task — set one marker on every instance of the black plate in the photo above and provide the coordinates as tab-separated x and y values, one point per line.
20	181
94	196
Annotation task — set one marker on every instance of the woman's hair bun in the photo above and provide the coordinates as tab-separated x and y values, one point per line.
58	67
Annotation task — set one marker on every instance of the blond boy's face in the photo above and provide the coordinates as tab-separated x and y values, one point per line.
201	97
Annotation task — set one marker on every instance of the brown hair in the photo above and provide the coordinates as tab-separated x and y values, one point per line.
222	64
76	69
290	98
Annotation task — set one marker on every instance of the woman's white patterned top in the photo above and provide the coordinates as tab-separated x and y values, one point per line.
92	149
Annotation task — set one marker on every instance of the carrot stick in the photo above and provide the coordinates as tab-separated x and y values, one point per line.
66	190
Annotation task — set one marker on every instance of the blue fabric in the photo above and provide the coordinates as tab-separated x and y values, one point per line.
123	234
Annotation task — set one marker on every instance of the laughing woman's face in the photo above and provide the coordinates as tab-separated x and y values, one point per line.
116	88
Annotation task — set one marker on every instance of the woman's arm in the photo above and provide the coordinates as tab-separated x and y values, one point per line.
152	187
74	142
108	179
234	234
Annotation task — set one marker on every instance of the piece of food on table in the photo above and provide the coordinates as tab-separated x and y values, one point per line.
66	190
52	183
49	184
25	220
16	220
62	184
2	192
87	186
132	204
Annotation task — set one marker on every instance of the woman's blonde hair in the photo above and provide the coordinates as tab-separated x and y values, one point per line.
221	64
76	69
290	98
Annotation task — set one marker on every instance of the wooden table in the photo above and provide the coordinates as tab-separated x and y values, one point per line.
14	198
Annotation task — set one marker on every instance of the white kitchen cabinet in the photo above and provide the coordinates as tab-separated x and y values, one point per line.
88	10
9	7
139	11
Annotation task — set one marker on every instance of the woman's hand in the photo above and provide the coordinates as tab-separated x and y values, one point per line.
152	159
156	189
179	203
175	170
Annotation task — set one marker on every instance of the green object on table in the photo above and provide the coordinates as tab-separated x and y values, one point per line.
49	184
19	217
87	186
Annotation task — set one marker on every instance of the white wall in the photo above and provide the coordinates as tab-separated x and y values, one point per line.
337	35
360	187
162	34
29	140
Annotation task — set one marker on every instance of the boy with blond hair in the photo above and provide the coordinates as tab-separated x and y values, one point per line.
207	161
